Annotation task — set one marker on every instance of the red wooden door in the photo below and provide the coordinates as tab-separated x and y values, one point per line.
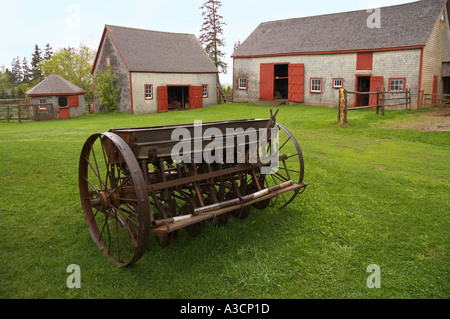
163	99
296	83
64	113
195	97
266	83
376	83
435	89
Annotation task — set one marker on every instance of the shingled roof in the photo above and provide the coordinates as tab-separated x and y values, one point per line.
55	85
154	51
407	25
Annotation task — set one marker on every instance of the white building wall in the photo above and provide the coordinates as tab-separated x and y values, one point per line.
139	80
390	64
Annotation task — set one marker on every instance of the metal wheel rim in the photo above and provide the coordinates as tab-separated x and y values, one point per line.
296	157
121	228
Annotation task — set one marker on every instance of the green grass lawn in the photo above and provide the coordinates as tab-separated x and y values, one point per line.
376	196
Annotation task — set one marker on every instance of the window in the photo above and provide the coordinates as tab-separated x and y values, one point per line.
443	16
42	105
108	62
338	83
242	83
205	90
62	101
149	92
397	84
316	85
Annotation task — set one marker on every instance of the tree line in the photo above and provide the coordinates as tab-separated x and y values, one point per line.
72	63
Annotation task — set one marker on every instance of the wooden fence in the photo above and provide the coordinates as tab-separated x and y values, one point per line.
24	112
432	100
15	113
383	99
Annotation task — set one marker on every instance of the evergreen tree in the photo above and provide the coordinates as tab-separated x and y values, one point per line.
35	60
212	32
48	52
26	72
16	72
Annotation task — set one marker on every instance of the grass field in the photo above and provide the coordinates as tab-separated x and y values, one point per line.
376	196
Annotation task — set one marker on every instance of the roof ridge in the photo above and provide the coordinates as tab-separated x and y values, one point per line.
147	30
343	12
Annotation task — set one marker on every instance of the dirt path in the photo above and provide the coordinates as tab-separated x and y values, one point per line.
437	120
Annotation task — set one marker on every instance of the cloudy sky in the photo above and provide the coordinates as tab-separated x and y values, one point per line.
24	23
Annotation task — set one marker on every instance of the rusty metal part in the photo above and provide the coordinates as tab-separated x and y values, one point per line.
130	186
118	223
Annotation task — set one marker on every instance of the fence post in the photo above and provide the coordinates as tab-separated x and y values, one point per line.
343	107
20	117
378	101
7	114
422	100
410	99
383	101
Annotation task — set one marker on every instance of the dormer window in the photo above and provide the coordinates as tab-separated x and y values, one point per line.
443	16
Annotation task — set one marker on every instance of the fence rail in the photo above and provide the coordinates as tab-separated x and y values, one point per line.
384	99
23	112
431	100
15	113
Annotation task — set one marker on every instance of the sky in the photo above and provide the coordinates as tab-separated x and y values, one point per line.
24	23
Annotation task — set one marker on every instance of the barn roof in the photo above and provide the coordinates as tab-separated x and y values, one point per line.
55	85
154	51
407	25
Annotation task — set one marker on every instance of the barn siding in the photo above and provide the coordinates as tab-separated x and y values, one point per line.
390	64
399	64
435	53
139	80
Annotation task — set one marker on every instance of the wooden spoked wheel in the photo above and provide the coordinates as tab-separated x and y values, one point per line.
114	198
290	167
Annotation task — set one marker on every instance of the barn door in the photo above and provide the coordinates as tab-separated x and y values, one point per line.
195	97
64	113
376	83
296	82
163	99
266	82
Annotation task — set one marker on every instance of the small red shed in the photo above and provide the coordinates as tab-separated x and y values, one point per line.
56	98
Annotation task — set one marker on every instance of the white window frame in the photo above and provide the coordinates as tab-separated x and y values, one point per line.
242	80
315	83
148	93
42	105
205	90
338	86
396	85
